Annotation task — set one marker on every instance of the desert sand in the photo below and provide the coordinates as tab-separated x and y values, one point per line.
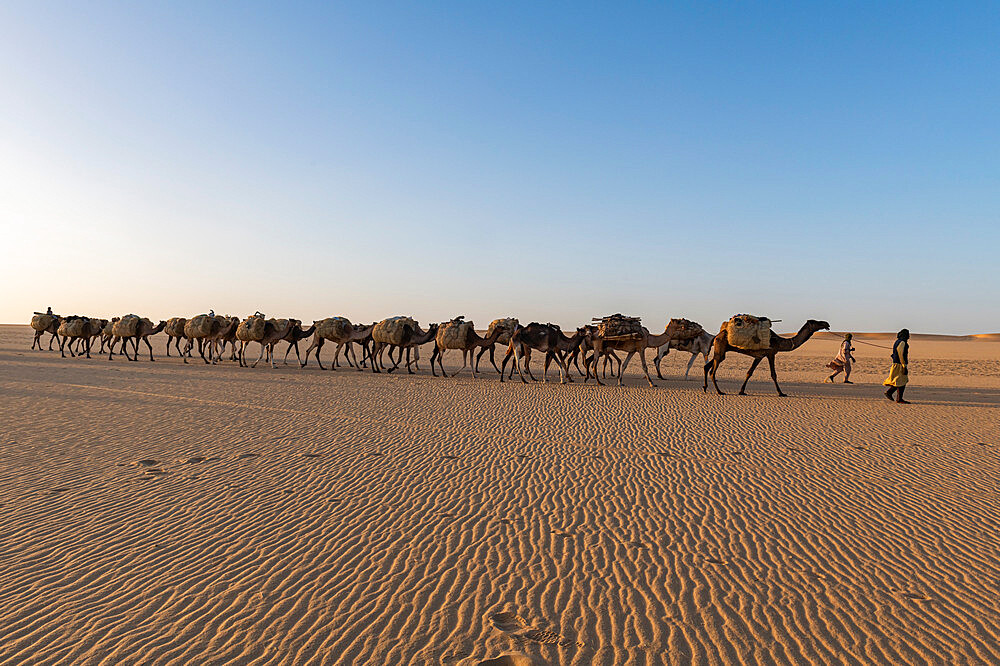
161	513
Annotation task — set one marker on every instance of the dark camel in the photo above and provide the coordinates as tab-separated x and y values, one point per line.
632	345
546	338
778	344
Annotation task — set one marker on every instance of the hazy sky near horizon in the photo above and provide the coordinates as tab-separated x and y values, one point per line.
551	161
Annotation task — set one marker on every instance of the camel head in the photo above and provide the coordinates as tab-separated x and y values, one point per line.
817	325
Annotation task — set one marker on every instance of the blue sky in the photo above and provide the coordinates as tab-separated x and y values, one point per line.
551	161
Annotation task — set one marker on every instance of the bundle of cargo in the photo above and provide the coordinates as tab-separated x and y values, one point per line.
618	327
41	322
745	331
507	327
334	328
75	327
199	326
126	327
687	329
251	329
454	334
393	331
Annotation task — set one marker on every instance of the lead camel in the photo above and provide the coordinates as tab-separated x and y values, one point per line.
777	345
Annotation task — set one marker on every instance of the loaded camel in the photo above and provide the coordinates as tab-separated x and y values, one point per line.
636	344
45	323
701	344
341	331
175	333
292	337
721	345
399	333
79	330
131	327
507	326
267	333
461	335
547	338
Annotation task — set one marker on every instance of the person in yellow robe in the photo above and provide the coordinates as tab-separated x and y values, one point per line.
899	370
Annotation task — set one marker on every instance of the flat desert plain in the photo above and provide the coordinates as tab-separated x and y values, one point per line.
162	513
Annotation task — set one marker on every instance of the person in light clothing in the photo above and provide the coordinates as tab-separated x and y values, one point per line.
899	373
843	361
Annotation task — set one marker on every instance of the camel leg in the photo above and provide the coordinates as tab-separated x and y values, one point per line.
660	353
753	366
263	348
645	369
54	337
694	357
146	340
545	366
774	375
621	370
517	364
62	348
169	340
713	366
86	346
503	365
349	352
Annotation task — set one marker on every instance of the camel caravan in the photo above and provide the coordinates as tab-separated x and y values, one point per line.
598	345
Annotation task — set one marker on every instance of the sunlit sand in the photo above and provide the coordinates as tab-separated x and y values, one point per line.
166	513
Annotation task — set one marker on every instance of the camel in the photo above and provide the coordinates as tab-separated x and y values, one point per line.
198	330
634	345
547	338
216	339
698	345
96	328
292	337
341	331
80	330
507	326
408	336
144	328
229	338
720	345
175	333
449	336
106	336
45	323
273	332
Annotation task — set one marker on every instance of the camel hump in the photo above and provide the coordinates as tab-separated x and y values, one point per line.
746	331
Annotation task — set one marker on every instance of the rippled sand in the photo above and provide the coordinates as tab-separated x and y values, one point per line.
163	513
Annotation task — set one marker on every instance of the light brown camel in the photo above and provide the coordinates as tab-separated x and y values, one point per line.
45	323
215	341
340	331
79	330
635	345
272	334
199	330
402	333
106	336
175	333
507	326
461	335
547	338
229	338
720	345
143	329
701	344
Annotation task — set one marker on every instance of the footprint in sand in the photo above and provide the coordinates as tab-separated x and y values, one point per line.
520	629
859	448
310	455
715	560
195	460
507	660
509	622
244	456
148	462
449	457
916	596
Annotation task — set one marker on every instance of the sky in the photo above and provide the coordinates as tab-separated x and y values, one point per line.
550	161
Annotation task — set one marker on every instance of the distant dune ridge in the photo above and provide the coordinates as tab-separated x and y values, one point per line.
162	513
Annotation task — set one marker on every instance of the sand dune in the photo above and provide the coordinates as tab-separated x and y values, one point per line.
159	513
